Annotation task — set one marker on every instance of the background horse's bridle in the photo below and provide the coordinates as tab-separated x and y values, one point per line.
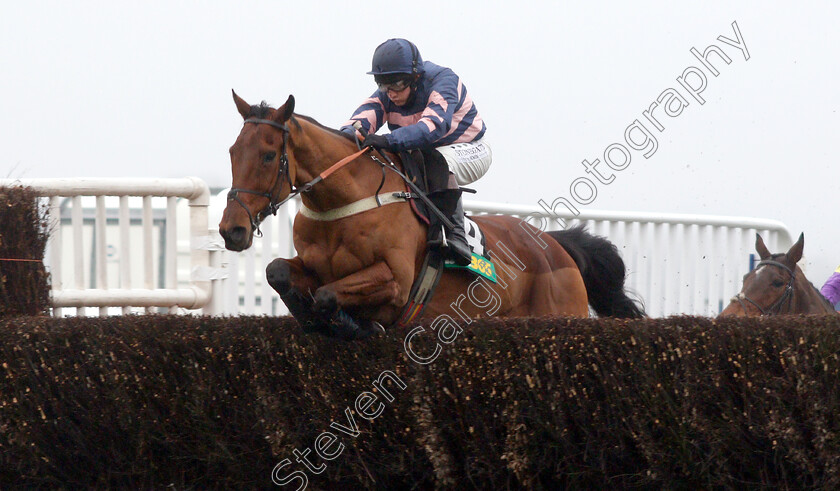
282	168
776	308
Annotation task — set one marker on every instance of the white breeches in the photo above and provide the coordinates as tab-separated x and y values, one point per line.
468	161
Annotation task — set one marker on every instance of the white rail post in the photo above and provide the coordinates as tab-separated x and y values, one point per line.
216	251
200	268
99	294
125	248
171	275
269	233
148	249
77	226
55	247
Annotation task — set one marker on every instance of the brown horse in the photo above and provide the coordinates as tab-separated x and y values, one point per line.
354	272
777	286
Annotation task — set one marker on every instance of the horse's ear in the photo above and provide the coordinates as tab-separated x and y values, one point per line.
285	111
795	252
243	107
760	248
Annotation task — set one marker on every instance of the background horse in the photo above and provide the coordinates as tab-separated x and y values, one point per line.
777	286
354	272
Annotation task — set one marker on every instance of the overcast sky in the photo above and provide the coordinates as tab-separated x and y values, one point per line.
142	89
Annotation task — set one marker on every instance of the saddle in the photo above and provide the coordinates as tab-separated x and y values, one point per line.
429	172
415	169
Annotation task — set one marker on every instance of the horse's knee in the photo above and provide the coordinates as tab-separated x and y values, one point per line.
278	273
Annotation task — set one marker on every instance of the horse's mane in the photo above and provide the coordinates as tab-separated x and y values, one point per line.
263	110
316	123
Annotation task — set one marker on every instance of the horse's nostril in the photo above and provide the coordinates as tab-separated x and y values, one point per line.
237	234
235	238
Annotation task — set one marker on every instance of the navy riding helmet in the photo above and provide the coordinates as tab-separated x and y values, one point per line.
396	56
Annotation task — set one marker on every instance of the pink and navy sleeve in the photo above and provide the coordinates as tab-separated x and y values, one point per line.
371	113
442	114
434	121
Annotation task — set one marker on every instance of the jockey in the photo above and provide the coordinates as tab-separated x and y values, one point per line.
831	289
427	108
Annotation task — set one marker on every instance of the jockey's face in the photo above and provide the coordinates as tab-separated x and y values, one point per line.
399	97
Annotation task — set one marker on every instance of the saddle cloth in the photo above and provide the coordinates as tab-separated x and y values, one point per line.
475	237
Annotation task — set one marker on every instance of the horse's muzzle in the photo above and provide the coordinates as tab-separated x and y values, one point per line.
236	238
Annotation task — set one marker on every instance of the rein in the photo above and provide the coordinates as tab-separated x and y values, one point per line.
776	307
282	168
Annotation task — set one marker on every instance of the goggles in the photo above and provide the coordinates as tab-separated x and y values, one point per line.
397	86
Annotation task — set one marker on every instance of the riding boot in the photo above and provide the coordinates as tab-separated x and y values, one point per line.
455	240
459	250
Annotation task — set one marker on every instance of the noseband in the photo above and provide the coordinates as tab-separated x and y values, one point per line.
282	168
777	305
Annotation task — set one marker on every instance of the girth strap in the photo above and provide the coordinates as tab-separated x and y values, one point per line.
354	208
423	288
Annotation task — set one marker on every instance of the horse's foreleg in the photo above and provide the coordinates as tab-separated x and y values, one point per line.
374	285
371	287
323	315
295	285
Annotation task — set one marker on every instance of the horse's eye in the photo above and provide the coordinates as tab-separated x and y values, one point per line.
269	157
778	283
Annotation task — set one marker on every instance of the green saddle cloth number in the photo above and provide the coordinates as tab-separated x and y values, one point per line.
480	265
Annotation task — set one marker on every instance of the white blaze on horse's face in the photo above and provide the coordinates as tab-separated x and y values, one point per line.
767	285
772	278
766	289
762	276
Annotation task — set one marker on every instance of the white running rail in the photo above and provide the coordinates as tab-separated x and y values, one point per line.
128	249
677	263
103	285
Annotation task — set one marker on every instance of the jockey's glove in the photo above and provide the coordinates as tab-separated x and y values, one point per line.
379	142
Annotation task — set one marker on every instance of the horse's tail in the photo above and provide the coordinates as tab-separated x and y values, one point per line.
603	272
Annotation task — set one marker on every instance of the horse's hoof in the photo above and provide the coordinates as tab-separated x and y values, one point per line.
374	329
313	327
369	328
278	274
326	303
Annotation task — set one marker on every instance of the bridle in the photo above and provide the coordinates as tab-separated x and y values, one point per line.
283	168
776	307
